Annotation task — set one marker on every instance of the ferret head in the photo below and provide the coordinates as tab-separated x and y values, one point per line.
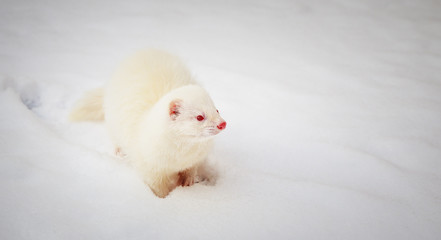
194	115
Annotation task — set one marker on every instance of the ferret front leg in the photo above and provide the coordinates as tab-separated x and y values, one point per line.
160	184
187	177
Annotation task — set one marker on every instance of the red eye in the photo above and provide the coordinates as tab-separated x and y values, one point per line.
217	111
200	118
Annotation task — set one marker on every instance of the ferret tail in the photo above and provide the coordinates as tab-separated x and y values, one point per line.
89	107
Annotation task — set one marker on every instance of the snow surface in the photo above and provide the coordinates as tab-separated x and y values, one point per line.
333	111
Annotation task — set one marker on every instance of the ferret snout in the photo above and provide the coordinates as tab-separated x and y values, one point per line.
222	126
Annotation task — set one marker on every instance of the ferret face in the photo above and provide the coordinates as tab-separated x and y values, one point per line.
199	120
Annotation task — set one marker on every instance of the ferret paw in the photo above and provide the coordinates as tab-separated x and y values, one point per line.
160	191
185	179
119	152
161	194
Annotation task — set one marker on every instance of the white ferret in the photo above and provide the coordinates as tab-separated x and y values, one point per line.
157	116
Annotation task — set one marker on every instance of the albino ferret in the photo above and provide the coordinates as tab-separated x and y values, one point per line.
157	116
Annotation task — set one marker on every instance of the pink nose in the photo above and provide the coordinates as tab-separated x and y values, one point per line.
222	126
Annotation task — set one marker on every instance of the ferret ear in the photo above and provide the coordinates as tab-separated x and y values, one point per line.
174	108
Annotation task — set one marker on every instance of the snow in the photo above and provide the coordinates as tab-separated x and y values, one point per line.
333	111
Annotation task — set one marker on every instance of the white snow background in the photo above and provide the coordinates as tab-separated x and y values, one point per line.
333	111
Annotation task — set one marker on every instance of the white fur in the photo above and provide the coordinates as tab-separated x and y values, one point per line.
89	107
166	148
